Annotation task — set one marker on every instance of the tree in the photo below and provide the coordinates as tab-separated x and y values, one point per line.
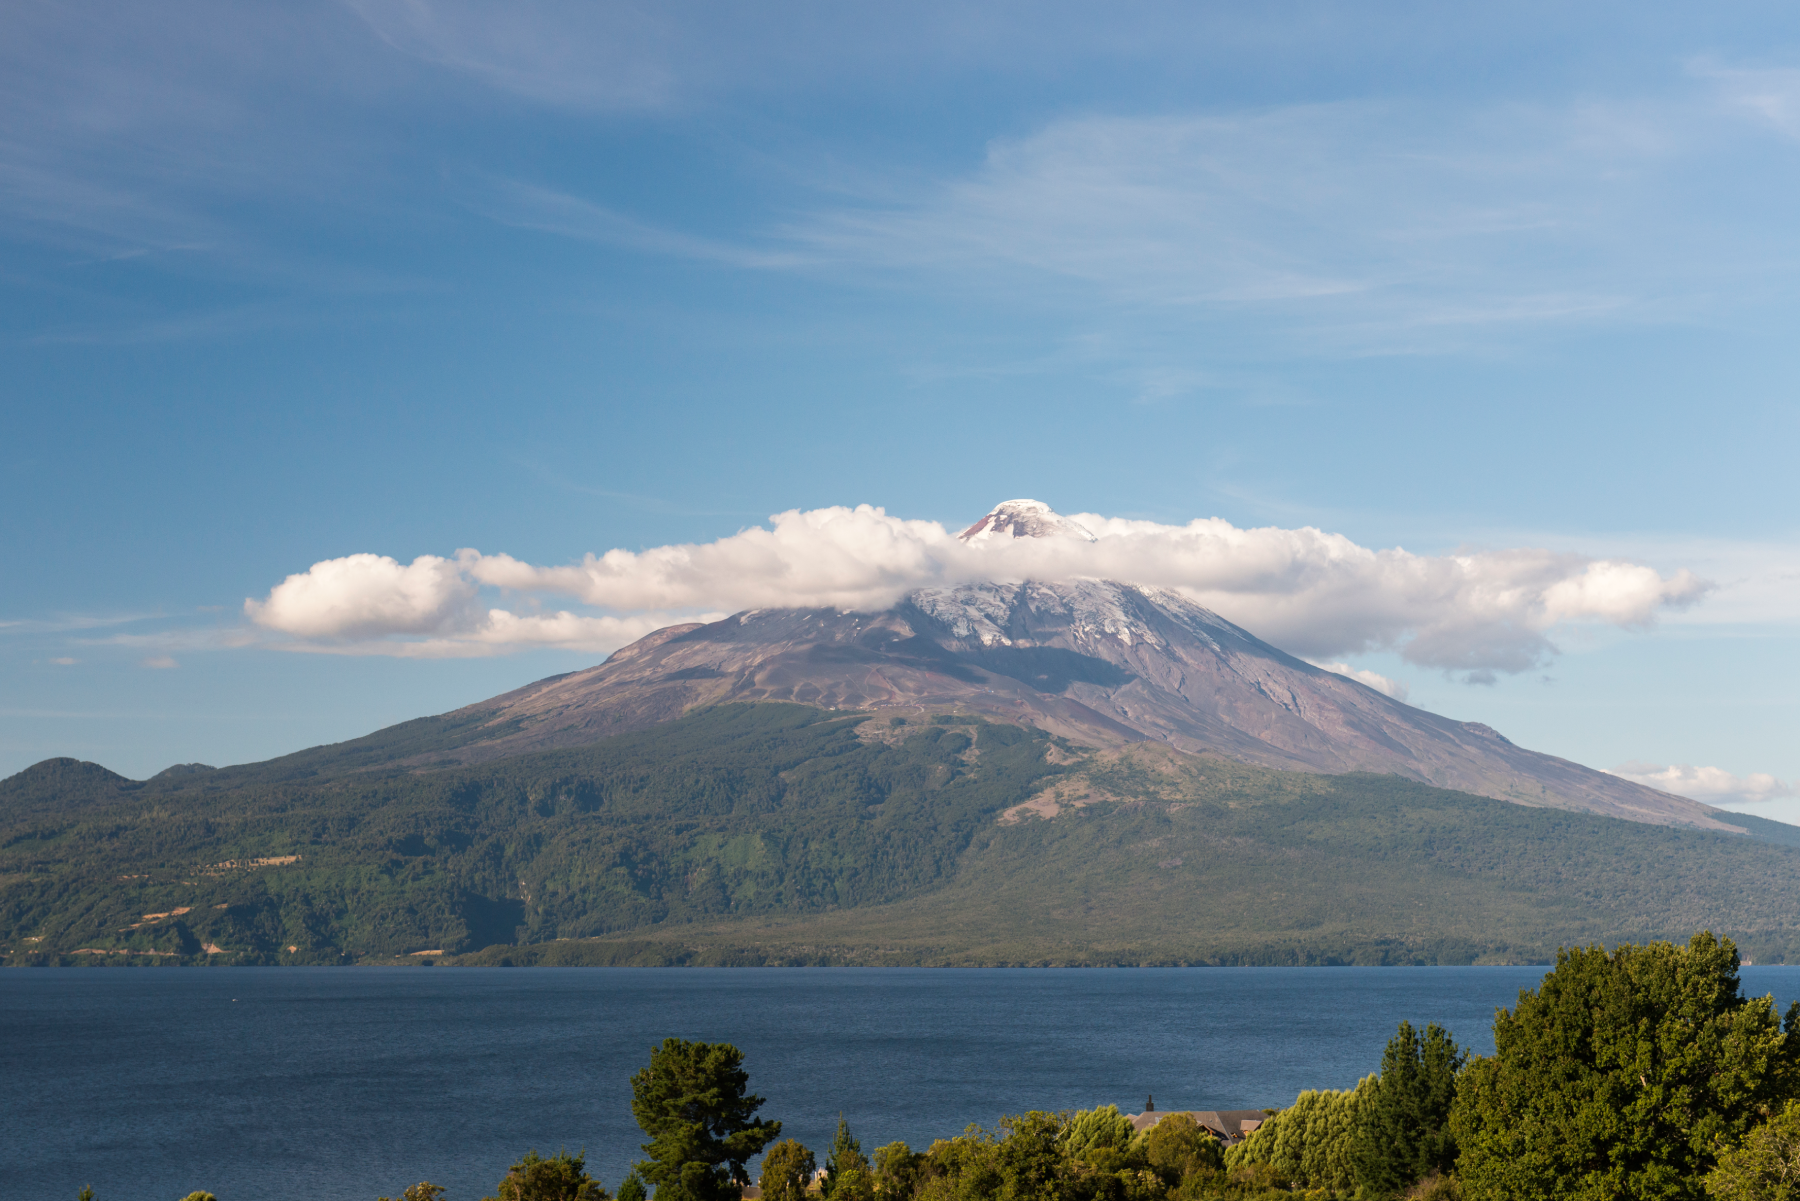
854	1184
1403	1130
1178	1146
1312	1141
897	1171
1030	1157
1101	1127
962	1167
422	1191
1765	1166
845	1154
535	1178
786	1171
691	1101
632	1188
1623	1075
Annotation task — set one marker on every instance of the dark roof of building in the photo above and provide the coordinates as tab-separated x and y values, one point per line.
1230	1124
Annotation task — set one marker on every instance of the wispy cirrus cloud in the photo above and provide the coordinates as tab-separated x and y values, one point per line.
1346	227
1357	226
529	206
1770	95
600	56
1350	227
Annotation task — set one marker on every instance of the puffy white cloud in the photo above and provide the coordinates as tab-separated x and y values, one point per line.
1373	679
849	558
1309	592
369	604
1713	785
370	596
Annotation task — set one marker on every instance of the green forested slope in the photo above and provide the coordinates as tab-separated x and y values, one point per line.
779	833
749	809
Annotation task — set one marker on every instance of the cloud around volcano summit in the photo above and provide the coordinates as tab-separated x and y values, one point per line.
1312	593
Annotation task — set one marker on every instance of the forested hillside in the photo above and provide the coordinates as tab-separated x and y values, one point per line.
783	833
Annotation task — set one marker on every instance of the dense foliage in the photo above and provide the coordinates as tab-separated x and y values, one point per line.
1403	1122
1313	1142
534	1178
1765	1166
1622	1075
691	1101
750	809
847	1169
786	1171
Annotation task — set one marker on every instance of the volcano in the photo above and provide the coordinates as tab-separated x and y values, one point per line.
1102	663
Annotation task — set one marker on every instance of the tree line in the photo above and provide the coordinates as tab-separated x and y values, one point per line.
1641	1073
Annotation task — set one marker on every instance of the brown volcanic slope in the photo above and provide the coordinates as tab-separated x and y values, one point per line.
1099	662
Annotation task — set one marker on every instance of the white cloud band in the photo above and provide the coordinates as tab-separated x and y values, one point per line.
1307	591
1713	785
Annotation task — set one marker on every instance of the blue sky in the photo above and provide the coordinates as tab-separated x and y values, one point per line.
284	286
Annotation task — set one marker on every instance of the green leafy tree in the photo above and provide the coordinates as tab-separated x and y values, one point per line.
534	1178
845	1154
897	1171
632	1188
1312	1141
1178	1147
691	1101
786	1171
1104	1126
1436	1187
854	1184
422	1191
1261	1177
964	1168
1030	1158
86	1193
1622	1075
1404	1120
199	1196
1765	1166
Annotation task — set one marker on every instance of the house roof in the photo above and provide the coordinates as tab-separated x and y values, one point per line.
1229	1124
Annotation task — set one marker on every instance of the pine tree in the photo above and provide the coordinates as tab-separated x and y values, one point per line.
845	1155
691	1101
1403	1129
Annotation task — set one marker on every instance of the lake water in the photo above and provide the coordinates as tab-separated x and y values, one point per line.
293	1084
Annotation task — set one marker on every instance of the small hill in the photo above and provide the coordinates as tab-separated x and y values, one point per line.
61	786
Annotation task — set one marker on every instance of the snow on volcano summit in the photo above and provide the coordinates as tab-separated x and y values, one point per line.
1025	519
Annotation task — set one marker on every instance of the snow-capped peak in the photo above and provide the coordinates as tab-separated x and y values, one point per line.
1025	519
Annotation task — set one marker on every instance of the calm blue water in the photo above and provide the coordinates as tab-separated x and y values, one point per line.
290	1084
